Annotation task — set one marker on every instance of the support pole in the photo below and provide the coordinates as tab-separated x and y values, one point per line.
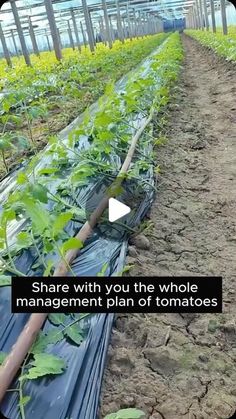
4	47
206	15
198	15
213	17
70	36
53	29
223	17
83	35
129	25
75	30
20	33
111	29
88	26
102	30
107	26
119	23
14	42
124	28
49	46
91	23
33	38
201	14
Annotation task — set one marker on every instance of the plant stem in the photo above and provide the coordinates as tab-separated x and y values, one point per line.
21	383
41	257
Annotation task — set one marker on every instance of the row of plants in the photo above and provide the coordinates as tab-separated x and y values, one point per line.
231	30
69	166
223	45
39	101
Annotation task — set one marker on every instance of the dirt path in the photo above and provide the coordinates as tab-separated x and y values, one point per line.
192	375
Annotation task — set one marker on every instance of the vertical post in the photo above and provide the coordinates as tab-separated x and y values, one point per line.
33	38
88	26
111	29
59	38
75	30
107	26
213	17
83	35
129	25
206	15
223	17
53	29
47	39
70	36
91	23
201	14
135	23
198	15
193	18
124	28
144	24
14	42
119	23
20	33
4	47
102	29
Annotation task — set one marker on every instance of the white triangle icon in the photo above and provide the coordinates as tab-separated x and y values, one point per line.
117	209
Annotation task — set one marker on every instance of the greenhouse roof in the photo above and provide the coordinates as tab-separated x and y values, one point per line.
35	9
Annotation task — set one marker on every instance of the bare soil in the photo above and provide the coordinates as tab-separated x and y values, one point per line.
182	366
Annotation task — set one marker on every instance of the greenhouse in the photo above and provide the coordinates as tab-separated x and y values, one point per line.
117	209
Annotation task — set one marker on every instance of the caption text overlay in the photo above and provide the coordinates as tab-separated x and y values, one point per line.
115	294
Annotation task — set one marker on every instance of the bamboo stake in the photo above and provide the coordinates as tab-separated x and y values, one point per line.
19	351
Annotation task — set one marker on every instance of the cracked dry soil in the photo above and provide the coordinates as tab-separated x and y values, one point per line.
178	366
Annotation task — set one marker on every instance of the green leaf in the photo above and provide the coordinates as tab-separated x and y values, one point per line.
39	216
3	355
57	318
21	178
45	364
45	339
22	142
74	333
50	265
60	222
39	192
129	413
24	400
5	280
24	240
9	215
48	171
72	243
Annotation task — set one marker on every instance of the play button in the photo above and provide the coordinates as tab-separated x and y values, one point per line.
117	210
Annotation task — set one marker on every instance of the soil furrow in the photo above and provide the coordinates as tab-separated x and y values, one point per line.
194	218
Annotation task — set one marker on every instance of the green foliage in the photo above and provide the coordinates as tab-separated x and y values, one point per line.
74	333
44	364
35	93
70	244
223	45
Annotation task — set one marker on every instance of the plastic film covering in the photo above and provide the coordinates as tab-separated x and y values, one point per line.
75	393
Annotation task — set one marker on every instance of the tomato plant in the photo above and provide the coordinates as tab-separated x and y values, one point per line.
223	45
